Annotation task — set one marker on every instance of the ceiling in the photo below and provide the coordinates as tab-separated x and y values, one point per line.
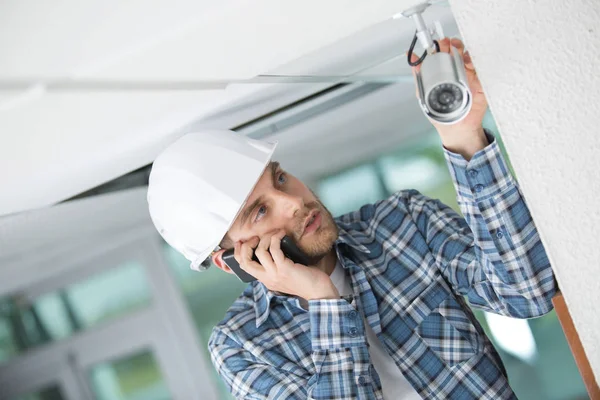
57	145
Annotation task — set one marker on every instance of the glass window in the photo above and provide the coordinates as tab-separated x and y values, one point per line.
49	393
208	295
108	295
410	172
351	189
421	166
134	377
26	323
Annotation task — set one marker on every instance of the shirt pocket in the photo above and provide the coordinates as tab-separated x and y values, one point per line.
334	375
440	320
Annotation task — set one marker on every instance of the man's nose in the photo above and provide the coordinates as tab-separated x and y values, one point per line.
290	205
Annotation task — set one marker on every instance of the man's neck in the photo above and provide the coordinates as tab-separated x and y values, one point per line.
327	263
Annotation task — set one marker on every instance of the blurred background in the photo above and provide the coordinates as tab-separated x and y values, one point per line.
115	309
93	304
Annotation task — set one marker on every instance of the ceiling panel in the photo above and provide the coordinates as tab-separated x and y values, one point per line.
56	145
140	39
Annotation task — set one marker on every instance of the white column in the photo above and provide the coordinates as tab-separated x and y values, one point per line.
539	63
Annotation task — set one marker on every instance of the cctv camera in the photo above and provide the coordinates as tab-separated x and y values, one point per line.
444	94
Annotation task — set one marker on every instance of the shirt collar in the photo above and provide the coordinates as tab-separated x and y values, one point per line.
352	237
263	296
262	302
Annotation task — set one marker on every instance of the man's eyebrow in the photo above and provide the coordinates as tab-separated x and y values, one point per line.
274	167
246	213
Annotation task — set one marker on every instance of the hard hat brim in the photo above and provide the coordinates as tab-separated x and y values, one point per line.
196	264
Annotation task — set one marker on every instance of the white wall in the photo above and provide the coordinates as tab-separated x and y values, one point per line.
539	63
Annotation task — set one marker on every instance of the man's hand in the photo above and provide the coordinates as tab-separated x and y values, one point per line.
280	274
466	137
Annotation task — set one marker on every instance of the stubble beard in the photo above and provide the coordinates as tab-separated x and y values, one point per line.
320	242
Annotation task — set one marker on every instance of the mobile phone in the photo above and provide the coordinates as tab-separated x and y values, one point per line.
289	248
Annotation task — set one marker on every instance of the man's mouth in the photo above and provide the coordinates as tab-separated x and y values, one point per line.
312	222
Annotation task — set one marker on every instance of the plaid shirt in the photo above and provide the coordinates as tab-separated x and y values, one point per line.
411	260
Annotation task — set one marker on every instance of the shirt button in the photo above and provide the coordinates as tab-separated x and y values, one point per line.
352	314
362	381
353	332
499	234
478	188
473	173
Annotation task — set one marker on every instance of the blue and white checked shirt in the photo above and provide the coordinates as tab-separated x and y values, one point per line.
411	260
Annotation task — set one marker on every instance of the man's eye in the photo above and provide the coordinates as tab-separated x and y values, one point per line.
262	211
282	178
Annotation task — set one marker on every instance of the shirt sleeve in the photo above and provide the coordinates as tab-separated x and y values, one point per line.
494	255
339	348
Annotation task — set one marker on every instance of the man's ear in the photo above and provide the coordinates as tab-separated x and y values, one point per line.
217	259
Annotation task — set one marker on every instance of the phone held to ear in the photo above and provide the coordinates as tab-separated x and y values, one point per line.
289	248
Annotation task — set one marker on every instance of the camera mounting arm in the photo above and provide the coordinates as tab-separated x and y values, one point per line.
423	34
416	14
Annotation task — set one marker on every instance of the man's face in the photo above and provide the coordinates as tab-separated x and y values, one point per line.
280	201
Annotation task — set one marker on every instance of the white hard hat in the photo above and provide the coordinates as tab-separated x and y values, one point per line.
199	184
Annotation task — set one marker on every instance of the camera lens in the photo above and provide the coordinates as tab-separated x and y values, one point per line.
445	98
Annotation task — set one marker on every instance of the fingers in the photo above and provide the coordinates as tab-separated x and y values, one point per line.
468	61
460	47
414	58
237	247
444	45
243	253
474	83
267	250
263	255
458	44
276	252
414	70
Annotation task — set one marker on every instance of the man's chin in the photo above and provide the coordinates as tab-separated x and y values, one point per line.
320	244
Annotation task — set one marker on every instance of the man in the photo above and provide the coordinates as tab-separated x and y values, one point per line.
381	313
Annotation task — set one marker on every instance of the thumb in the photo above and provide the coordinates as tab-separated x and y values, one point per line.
468	61
414	71
414	59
